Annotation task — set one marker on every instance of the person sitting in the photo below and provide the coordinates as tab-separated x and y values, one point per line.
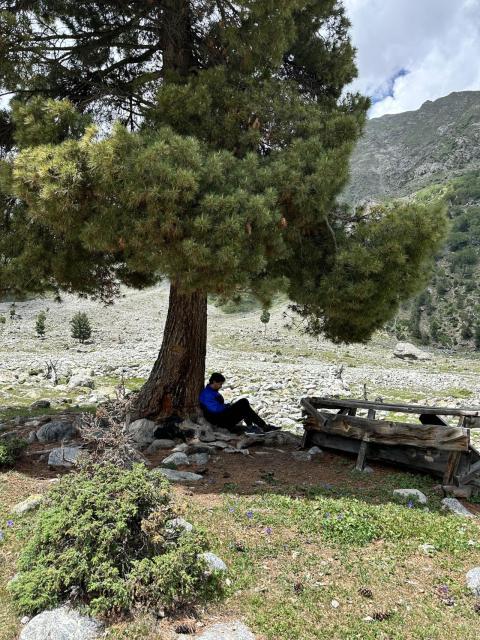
229	415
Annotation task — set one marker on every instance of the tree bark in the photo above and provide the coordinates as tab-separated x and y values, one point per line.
179	372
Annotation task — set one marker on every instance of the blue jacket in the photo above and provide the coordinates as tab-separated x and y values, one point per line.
211	400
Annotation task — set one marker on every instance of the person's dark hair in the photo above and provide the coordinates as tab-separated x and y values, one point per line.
216	377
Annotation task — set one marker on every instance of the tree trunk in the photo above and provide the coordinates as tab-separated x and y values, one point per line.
179	372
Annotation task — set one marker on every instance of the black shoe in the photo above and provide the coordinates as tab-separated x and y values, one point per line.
253	430
271	427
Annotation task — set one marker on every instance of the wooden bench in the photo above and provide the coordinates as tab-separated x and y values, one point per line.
430	445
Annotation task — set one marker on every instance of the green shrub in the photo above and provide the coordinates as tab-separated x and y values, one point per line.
11	450
2	320
81	329
101	539
40	324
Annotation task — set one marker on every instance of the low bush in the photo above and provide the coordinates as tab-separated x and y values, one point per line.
11	450
102	540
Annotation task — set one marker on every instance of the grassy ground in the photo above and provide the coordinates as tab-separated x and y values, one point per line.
294	552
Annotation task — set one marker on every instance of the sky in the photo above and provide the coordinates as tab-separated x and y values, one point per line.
410	51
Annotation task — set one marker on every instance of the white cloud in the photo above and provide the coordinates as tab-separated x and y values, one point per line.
436	41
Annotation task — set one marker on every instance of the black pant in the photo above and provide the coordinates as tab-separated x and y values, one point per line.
240	410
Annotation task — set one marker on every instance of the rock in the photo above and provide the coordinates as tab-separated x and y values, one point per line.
306	456
215	564
32	437
473	581
61	624
40	404
32	502
458	492
200	459
180	476
224	436
456	507
244	452
228	631
428	549
55	431
178	459
160	444
25	620
142	431
315	451
411	493
63	456
182	448
179	525
81	380
408	351
220	444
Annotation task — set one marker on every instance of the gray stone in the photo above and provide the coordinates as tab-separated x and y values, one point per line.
215	564
40	404
63	456
180	476
142	431
182	448
456	507
55	431
32	437
407	351
235	630
178	524
32	502
178	459
61	624
199	458
81	380
407	494
160	444
473	581
315	451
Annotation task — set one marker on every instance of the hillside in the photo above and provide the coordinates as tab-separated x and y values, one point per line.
399	154
432	153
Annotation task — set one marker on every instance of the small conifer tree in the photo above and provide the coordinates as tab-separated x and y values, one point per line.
81	328
265	318
40	324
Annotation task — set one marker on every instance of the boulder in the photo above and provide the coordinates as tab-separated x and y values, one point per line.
178	459
81	380
40	404
56	431
160	444
235	630
61	624
32	502
407	494
199	458
215	564
408	351
473	581
142	431
456	507
178	525
180	476
63	456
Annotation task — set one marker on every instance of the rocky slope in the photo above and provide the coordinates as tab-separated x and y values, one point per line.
399	154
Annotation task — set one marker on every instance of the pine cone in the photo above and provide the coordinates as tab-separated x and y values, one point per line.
381	615
185	628
365	592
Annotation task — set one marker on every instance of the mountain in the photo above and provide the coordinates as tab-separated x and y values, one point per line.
428	154
399	154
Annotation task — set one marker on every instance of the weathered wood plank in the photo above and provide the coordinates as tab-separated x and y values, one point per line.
362	452
452	466
392	433
473	472
335	403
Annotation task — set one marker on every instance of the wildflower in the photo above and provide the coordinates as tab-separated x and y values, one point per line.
410	504
249	515
9	523
340	516
327	515
231	509
2	536
268	531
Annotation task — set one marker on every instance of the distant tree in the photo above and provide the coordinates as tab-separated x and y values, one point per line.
81	328
265	318
40	324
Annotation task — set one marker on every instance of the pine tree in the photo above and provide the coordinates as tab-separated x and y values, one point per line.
40	324
81	328
265	318
222	173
